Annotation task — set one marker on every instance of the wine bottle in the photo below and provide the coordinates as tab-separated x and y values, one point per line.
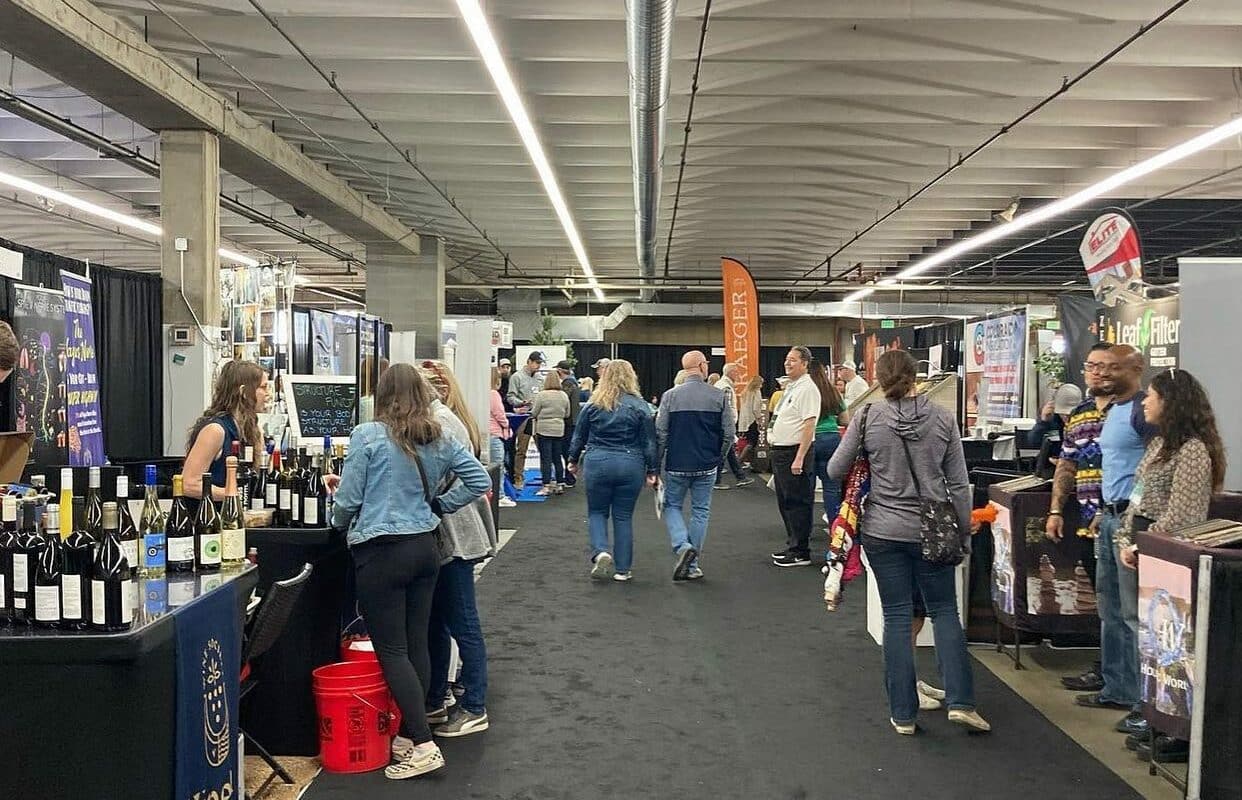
207	531
245	476
111	581
151	528
232	519
295	489
314	497
258	491
179	531
8	548
284	511
66	502
75	584
25	562
94	505
48	576
271	492
130	540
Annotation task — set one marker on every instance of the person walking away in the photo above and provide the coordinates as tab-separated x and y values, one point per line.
749	412
909	438
1077	474
793	460
827	437
614	445
469	537
1123	440
1173	484
569	384
729	374
855	385
693	431
386	501
523	386
548	413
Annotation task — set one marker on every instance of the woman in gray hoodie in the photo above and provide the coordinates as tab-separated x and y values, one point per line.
906	430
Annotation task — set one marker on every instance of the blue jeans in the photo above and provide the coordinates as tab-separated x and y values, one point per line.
699	487
825	445
551	460
496	451
1118	638
898	567
454	613
614	480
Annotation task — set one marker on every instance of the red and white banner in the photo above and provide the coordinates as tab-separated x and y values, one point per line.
741	317
1112	254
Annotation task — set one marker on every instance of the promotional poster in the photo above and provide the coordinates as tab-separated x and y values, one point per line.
1004	364
741	317
38	381
1002	561
1166	636
1113	257
86	443
1152	327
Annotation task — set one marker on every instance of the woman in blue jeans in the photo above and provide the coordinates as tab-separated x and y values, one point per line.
902	433
617	432
827	437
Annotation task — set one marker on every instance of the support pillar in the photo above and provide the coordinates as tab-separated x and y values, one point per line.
189	209
407	290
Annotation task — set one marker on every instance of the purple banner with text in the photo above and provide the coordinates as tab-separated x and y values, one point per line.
86	444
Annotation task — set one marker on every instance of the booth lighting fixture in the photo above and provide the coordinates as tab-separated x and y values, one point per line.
1058	207
87	207
476	21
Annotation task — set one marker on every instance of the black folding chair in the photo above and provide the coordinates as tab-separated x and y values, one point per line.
269	622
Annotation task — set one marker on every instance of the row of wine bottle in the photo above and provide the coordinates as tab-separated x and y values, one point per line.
291	485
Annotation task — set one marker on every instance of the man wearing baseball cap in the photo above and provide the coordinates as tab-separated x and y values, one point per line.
601	365
523	387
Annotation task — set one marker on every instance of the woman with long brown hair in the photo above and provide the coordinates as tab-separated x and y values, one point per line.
240	395
749	412
827	436
391	502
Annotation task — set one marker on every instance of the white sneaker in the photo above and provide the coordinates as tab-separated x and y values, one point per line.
415	764
622	577
507	502
969	719
928	703
603	567
544	491
927	690
402	748
904	730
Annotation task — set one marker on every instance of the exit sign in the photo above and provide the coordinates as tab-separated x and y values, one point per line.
888	323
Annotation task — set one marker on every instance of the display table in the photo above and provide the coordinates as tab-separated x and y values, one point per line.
875	609
1038	585
89	714
280	711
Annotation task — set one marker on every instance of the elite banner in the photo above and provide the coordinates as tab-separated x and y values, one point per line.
741	317
1113	256
86	441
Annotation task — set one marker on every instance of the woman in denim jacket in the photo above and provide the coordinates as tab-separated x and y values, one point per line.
381	499
617	431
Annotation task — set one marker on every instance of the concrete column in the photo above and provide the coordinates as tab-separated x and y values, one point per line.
189	209
407	290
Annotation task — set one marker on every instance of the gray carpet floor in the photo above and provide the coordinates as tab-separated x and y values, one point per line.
738	686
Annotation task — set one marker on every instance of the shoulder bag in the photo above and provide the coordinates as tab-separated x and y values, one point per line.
441	540
939	529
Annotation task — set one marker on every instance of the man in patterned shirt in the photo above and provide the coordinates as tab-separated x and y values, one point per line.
1079	471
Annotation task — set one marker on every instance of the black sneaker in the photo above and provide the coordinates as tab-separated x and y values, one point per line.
744	482
792	560
685	557
1089	681
722	486
779	554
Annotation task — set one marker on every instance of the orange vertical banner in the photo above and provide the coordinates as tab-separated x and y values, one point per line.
741	317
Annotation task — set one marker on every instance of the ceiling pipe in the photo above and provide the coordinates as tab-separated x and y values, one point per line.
649	41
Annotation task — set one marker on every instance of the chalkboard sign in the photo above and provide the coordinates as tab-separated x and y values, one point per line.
322	405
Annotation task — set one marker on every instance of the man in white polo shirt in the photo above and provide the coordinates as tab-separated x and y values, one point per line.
790	440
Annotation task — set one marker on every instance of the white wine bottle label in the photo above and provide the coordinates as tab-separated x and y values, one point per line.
180	549
98	597
47	604
257	503
21	574
71	597
127	601
310	511
234	544
272	491
209	553
286	500
130	548
296	506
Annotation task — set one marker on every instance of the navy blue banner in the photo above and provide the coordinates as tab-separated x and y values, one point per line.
208	668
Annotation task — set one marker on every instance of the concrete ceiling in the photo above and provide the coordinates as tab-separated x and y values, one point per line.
813	119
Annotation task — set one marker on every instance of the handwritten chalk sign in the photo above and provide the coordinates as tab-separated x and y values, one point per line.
322	405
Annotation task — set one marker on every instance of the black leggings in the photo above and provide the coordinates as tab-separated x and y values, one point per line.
396	579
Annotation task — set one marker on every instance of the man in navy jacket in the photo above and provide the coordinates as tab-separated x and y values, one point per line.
693	429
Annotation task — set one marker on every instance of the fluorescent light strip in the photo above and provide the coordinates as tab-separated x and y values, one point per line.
1082	197
476	21
859	295
94	210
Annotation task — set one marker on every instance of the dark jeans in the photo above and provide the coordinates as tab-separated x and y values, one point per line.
898	568
566	440
396	579
734	467
825	445
455	615
614	480
795	496
551	458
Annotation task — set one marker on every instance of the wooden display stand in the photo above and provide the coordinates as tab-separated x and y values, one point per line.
943	389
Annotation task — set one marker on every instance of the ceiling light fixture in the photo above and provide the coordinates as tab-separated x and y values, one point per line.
1058	207
476	22
87	207
859	295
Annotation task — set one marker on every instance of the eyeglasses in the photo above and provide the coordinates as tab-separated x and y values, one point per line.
1094	366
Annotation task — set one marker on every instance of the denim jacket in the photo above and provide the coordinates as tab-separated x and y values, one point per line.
629	428
381	492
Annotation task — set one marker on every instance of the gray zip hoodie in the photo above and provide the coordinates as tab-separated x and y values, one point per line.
892	507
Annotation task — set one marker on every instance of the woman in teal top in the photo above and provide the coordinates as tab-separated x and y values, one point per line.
827	436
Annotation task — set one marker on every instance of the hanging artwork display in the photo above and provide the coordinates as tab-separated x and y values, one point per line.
38	380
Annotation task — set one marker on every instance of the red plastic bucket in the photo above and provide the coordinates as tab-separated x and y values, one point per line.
356	724
358	649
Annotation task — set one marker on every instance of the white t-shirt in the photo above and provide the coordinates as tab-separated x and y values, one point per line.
855	388
799	403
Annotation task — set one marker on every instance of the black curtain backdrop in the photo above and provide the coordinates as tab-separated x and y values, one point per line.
586	354
129	316
658	364
1080	316
949	336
